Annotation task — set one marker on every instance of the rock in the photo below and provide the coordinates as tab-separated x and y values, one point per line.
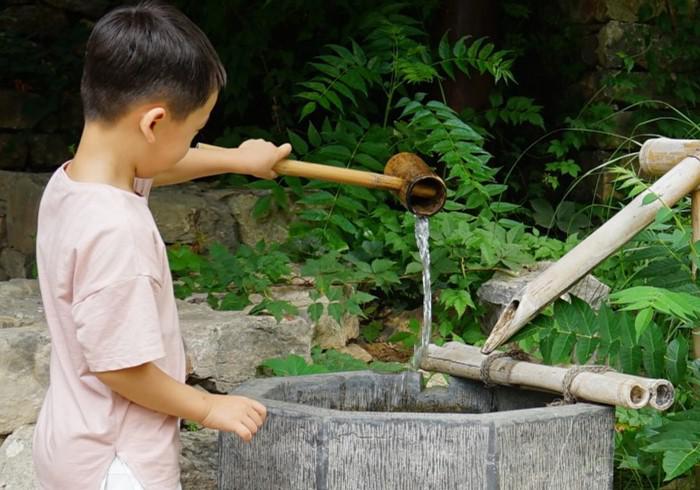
35	20
24	364
587	11
184	215
13	152
641	86
273	228
199	459
47	151
14	263
623	37
20	304
93	8
23	196
225	347
19	110
501	289
16	465
398	322
357	352
328	333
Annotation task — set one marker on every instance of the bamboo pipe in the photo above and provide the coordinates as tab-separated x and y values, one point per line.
662	394
555	280
658	156
419	189
465	361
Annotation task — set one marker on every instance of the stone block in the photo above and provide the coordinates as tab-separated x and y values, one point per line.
328	333
343	431
224	348
588	11
16	465
47	152
501	289
20	110
24	356
185	215
13	151
35	20
198	460
23	197
273	228
93	8
624	37
14	263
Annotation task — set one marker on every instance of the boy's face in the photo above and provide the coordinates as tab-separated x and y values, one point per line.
173	138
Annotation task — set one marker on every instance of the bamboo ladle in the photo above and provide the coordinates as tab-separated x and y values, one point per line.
419	189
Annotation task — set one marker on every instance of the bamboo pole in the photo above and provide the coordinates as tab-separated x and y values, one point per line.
559	277
662	394
330	173
465	361
659	155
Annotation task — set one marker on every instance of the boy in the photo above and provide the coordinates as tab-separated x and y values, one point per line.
117	391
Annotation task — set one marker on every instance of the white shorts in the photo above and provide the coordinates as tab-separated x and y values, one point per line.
120	477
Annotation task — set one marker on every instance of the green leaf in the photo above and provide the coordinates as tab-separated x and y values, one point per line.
642	320
343	223
233	301
315	311
308	108
459	299
292	365
335	311
313	136
298	144
677	463
262	206
677	360
413	267
654	350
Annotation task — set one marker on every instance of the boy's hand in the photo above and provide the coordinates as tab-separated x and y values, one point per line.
231	413
259	156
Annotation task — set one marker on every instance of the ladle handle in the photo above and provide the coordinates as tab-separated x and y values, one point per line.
330	173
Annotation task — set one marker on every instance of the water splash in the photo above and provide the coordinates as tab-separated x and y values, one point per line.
422	235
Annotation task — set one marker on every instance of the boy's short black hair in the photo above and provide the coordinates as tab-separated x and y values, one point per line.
150	50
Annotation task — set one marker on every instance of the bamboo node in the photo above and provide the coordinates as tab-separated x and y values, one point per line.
515	354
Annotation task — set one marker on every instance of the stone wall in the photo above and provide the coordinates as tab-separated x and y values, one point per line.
611	28
40	110
190	213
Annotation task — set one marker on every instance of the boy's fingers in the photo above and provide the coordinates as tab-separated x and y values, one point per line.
284	150
255	417
243	431
259	407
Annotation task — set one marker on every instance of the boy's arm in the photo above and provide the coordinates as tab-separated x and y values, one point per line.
252	157
148	386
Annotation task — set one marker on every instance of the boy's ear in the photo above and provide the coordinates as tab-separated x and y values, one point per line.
148	122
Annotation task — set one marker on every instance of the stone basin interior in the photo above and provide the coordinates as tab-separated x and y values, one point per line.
403	393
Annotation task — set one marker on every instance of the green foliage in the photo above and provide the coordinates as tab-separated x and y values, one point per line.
230	278
325	361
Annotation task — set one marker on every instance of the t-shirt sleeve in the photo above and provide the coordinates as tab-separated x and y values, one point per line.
118	326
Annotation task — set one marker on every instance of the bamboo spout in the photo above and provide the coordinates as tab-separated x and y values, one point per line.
419	189
554	281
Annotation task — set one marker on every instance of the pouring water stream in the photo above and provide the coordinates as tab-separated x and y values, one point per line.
422	233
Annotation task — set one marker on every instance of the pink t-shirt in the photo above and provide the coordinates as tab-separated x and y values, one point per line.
109	304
